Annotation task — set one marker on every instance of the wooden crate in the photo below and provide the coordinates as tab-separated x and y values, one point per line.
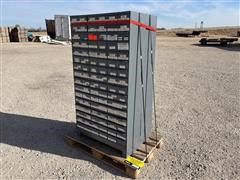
113	157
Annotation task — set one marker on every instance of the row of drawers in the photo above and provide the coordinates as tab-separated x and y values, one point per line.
117	126
101	78
115	93
109	46
100	62
115	136
101	54
101	114
103	124
79	92
101	70
101	36
109	139
101	17
90	104
101	28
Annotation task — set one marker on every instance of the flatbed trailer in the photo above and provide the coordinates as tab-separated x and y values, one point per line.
220	41
190	33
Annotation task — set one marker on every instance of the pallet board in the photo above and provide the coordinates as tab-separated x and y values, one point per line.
112	156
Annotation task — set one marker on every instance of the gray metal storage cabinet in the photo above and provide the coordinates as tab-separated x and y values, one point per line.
113	58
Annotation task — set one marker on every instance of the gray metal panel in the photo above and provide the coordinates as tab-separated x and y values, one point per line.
131	126
62	27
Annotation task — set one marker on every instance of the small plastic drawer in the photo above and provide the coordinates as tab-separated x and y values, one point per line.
112	46
93	69
81	44
99	93
101	28
83	102
112	55
118	90
99	114
82	114
118	64
112	72
102	101
122	56
116	140
78	59
83	109
121	129
92	18
79	19
122	136
123	16
79	28
97	28
102	70
123	36
100	107
102	36
120	121
101	128
99	78
92	44
117	112
118	81
92	28
122	46
97	54
81	82
93	54
102	62
122	73
80	36
118	27
82	89
99	86
81	67
112	37
124	27
80	52
102	55
112	132
111	17
102	45
98	62
117	105
86	96
102	135
99	120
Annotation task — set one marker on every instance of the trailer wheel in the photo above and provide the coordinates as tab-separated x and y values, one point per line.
223	43
203	42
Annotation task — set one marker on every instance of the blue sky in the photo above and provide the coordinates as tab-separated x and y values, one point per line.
171	13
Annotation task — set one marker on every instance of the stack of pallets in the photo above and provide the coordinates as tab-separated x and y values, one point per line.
22	34
4	35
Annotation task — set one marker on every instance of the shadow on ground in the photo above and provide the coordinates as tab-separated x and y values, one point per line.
44	135
231	47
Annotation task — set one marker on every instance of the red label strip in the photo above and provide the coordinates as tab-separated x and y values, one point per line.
115	21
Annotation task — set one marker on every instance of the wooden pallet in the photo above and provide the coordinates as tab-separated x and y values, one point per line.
112	156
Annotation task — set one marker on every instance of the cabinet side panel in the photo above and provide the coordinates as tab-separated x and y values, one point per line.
131	85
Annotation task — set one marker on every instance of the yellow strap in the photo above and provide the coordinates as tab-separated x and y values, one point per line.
135	161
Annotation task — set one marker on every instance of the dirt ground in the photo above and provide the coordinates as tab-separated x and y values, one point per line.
197	109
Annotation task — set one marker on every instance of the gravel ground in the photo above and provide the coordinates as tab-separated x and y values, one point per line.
197	108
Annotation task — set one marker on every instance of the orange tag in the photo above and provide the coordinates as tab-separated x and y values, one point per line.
92	37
